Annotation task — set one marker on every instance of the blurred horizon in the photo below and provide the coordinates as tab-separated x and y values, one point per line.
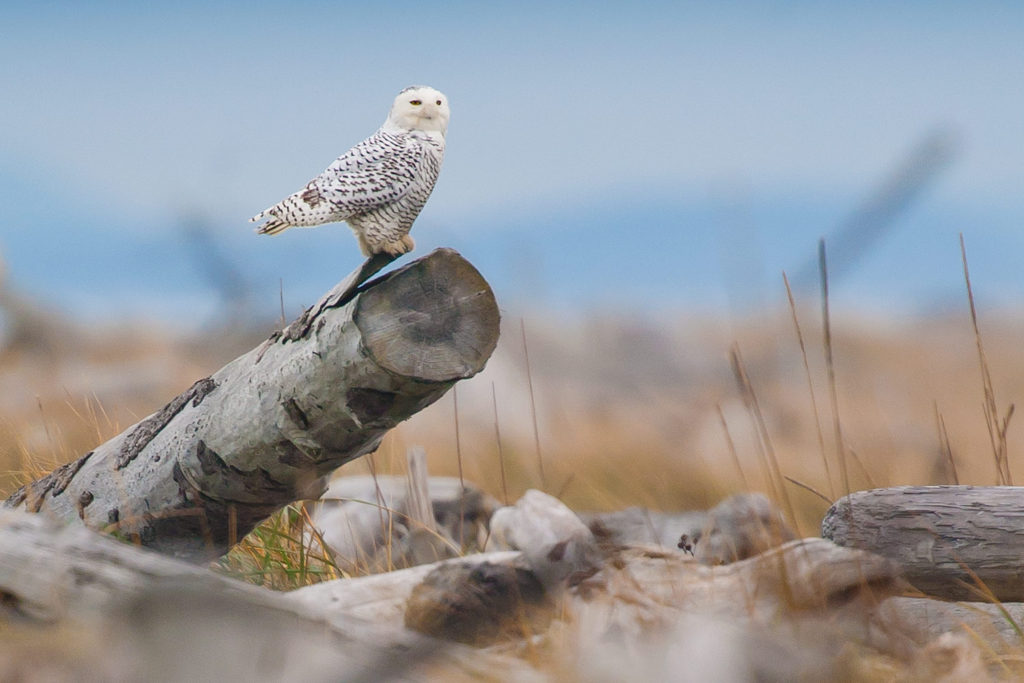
660	157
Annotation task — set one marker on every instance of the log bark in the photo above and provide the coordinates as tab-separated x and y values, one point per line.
954	542
269	427
739	527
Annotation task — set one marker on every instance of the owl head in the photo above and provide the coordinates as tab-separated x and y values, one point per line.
420	107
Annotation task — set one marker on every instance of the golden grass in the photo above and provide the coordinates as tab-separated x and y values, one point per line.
278	555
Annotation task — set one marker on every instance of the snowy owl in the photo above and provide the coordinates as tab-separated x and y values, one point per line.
380	185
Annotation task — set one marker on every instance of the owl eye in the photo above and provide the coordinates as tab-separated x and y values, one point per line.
438	103
415	103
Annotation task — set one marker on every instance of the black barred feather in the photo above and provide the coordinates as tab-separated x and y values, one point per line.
272	227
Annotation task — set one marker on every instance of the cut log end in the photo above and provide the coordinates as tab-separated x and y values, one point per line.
437	322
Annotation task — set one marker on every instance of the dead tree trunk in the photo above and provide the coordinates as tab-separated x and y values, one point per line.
949	539
269	427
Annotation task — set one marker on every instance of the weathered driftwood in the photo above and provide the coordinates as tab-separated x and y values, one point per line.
479	598
697	647
956	542
812	582
647	610
739	527
802	591
383	598
641	526
557	548
270	426
806	574
630	588
1000	625
48	572
479	605
150	617
653	614
806	591
371	524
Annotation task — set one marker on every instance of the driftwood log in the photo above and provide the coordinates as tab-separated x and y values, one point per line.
385	522
741	526
127	613
954	542
644	607
50	573
640	526
646	612
926	618
269	427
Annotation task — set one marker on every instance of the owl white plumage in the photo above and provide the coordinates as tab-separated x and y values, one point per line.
379	186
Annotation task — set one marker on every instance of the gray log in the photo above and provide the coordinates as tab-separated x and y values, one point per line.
926	619
269	427
809	593
741	526
947	538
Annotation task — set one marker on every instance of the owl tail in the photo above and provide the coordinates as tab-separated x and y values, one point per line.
271	227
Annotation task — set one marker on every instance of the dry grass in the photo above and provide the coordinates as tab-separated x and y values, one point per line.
283	553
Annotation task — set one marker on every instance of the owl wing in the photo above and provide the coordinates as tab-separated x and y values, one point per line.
372	183
368	152
374	173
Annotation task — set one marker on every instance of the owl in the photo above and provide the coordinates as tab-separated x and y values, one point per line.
379	186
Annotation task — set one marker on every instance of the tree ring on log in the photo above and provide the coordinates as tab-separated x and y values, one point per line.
437	322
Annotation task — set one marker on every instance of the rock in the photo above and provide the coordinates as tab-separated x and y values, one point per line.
557	545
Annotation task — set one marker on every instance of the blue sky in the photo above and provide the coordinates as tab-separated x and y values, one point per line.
675	154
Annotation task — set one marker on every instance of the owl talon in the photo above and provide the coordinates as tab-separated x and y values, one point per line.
398	247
